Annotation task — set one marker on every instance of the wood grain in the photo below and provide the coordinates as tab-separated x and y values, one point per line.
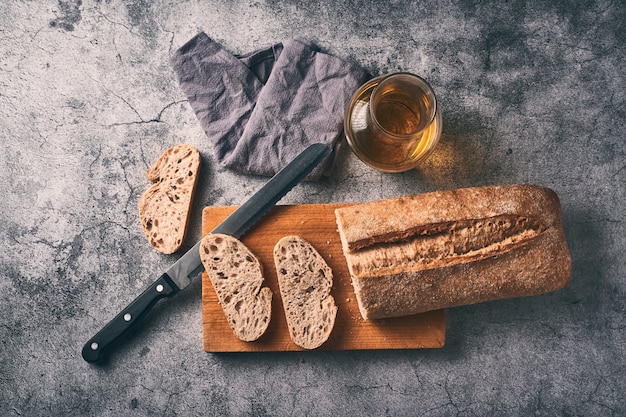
315	223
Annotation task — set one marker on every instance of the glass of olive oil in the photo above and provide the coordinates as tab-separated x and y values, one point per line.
393	122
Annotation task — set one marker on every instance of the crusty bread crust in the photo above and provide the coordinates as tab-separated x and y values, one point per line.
164	208
305	281
443	249
237	278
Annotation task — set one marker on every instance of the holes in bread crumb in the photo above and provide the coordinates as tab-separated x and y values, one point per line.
149	225
238	307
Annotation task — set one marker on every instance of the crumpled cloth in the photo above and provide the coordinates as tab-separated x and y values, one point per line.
261	109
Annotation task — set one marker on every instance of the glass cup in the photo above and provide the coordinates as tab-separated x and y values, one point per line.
393	122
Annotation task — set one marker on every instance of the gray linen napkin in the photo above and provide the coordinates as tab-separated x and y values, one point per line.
261	109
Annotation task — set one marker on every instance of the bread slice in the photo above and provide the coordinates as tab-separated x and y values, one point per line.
237	277
164	208
305	281
443	249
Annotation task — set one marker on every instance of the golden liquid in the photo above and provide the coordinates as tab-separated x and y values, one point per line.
403	115
399	148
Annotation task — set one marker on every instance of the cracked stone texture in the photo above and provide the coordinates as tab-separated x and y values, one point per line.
532	92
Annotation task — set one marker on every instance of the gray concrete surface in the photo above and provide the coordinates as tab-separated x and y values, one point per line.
532	92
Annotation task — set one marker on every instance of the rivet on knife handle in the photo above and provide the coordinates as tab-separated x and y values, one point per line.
94	349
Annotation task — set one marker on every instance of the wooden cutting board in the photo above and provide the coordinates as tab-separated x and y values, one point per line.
315	223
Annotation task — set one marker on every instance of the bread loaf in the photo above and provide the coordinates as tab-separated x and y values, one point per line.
237	277
164	208
305	281
443	249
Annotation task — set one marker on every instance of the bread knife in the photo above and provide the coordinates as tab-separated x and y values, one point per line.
180	274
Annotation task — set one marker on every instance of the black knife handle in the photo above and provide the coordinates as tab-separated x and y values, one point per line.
95	347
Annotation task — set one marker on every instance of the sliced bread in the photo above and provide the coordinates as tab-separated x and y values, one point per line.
164	208
237	277
305	281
